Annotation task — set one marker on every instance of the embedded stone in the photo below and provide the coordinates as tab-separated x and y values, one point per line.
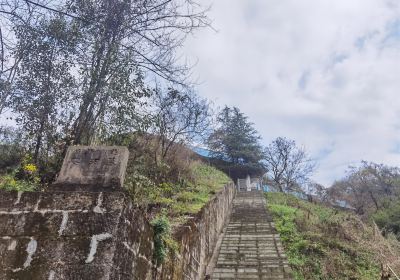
93	168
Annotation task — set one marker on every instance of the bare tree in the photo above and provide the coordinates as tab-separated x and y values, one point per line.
315	190
179	118
288	165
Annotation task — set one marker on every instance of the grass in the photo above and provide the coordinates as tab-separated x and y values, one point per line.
322	242
179	201
9	183
205	182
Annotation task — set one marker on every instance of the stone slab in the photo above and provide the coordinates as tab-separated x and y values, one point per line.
93	168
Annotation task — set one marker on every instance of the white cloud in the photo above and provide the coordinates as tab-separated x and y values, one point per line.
325	73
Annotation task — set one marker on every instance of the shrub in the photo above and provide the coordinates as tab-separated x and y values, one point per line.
24	178
9	183
11	151
388	219
164	244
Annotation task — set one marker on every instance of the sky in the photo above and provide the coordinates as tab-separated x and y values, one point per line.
323	73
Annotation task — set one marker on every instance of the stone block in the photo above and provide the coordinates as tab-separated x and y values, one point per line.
93	168
68	201
79	224
28	224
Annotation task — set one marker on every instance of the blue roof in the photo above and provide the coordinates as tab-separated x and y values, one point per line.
201	151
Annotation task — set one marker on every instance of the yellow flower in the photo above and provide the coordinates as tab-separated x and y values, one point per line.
31	168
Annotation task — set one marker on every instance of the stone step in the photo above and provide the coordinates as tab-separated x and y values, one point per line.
251	248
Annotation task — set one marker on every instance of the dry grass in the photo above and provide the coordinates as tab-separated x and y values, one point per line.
326	243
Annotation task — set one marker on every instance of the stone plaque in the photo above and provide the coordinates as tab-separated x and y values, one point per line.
93	168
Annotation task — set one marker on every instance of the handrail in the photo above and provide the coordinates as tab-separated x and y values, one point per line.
394	273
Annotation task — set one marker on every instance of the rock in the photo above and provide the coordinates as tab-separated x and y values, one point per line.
92	169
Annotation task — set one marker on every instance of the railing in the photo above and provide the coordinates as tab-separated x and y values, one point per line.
249	184
394	273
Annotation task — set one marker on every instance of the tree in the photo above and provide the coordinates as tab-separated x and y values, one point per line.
77	71
117	43
235	139
44	81
12	14
288	165
11	148
179	117
368	187
313	189
125	39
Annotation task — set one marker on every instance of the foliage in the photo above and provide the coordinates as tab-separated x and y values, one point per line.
164	244
9	183
180	197
368	188
325	243
235	139
208	176
44	84
139	187
205	181
11	150
23	178
178	203
28	171
77	72
388	219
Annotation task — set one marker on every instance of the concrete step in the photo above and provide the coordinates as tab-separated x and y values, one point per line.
251	248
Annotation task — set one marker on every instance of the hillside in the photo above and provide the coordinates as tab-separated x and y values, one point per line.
326	243
176	186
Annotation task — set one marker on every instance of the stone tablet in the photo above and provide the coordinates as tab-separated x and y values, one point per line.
93	168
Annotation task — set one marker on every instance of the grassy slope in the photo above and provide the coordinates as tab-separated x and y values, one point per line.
206	182
325	243
178	201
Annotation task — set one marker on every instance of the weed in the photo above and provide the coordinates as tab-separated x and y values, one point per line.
316	240
164	244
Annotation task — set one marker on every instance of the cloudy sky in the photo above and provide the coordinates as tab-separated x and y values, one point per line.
324	73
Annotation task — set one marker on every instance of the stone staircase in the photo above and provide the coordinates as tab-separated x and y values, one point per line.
250	248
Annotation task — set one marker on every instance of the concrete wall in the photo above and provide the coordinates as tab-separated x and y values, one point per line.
98	235
198	238
73	235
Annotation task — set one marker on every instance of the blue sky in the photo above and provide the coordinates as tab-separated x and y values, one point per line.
324	73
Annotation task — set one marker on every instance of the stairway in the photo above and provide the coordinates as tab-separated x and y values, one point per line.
251	248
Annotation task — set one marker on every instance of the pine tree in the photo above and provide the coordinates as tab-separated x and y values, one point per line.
235	140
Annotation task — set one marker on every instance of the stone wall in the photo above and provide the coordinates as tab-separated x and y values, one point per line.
73	235
198	238
98	235
85	227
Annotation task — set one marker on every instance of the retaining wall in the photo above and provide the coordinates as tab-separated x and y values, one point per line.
98	235
198	238
73	235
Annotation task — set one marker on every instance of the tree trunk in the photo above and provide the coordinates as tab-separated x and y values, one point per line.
38	142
